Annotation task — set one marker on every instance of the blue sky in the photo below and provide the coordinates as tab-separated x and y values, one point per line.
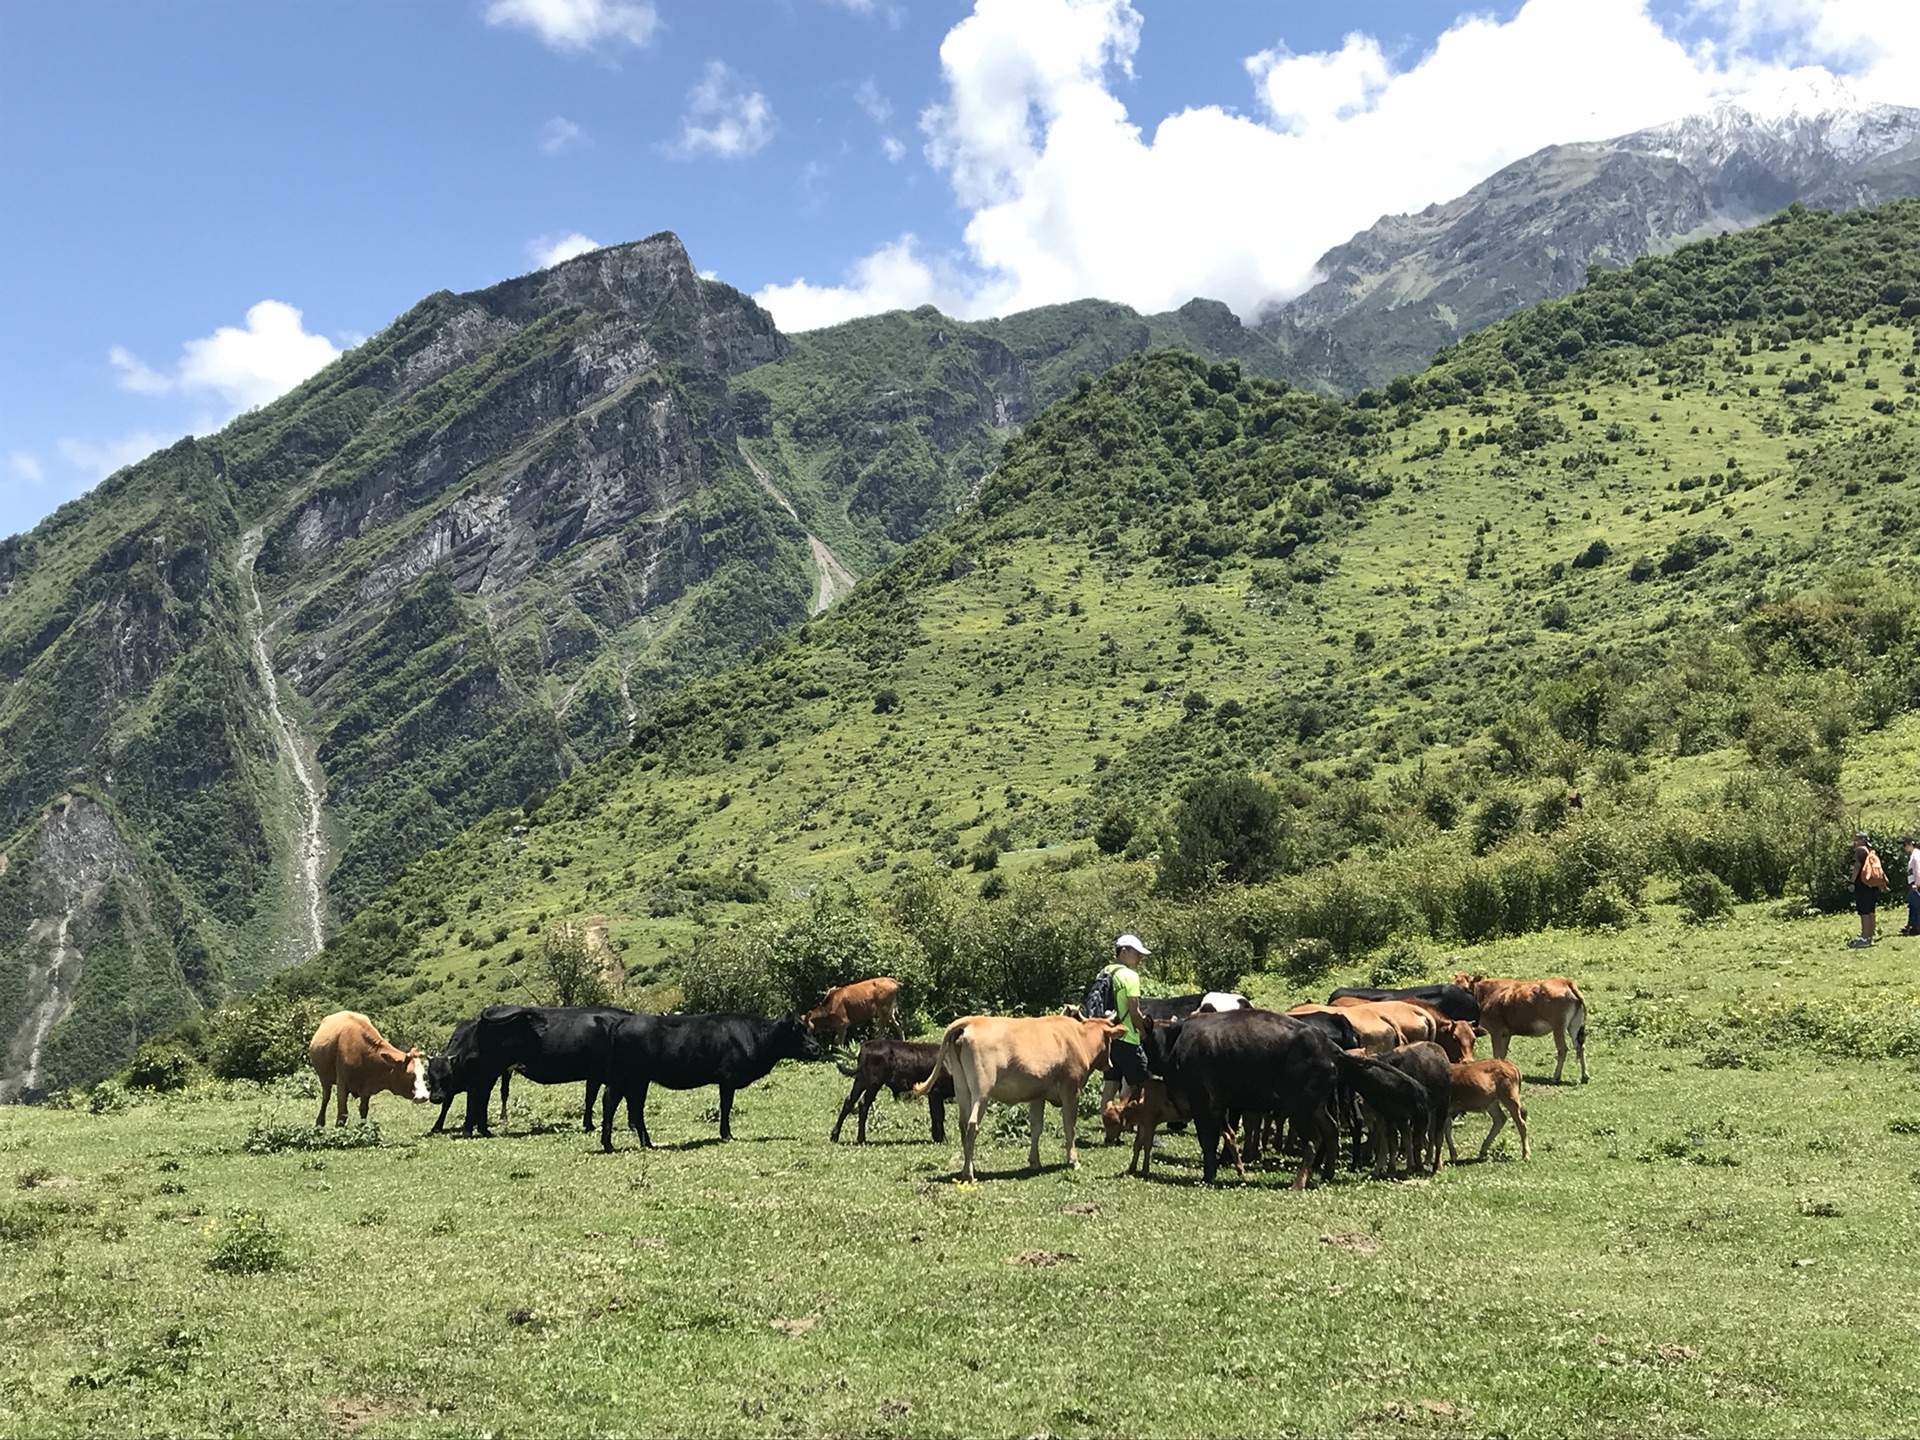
167	169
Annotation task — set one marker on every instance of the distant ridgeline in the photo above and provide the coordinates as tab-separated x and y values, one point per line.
1663	519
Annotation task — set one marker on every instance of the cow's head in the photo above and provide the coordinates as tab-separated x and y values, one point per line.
1156	1042
823	1022
1466	979
1456	1038
793	1040
417	1066
441	1085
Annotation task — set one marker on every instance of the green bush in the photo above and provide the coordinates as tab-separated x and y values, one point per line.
249	1244
1309	961
1605	907
159	1066
1401	963
268	1136
109	1097
1229	828
1704	896
261	1038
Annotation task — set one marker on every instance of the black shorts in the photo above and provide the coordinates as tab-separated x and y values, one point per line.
1127	1063
1866	899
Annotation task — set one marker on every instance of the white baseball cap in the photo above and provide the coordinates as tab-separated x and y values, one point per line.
1131	942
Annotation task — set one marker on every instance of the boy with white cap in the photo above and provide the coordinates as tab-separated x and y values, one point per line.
1127	1065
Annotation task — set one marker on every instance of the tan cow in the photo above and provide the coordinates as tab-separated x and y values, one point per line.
1414	1019
1457	1038
846	1008
1488	1087
1143	1112
1377	1033
1036	1062
348	1052
1532	1007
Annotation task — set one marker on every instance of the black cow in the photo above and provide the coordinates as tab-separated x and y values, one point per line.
685	1052
1456	1002
1335	1027
550	1045
1399	1106
896	1065
1428	1063
1222	1066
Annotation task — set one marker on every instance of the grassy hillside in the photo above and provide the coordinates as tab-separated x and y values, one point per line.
1666	568
781	1285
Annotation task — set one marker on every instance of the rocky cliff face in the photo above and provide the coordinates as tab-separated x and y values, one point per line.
1391	296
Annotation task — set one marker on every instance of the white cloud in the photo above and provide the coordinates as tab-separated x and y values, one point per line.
869	99
97	459
895	277
579	24
1069	196
547	250
723	118
560	135
22	466
894	150
246	367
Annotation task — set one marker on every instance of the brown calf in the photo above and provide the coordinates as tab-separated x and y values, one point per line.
348	1052
1488	1087
1532	1007
846	1008
1144	1112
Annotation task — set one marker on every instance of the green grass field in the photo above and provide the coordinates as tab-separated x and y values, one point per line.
1717	1248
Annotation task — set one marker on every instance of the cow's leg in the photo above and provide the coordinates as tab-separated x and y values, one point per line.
637	1113
363	1104
1580	1046
506	1082
1206	1129
609	1105
1142	1161
1036	1121
1519	1113
1452	1153
1233	1153
340	1104
326	1094
937	1116
854	1096
726	1113
1499	1120
586	1115
1499	1039
1069	1114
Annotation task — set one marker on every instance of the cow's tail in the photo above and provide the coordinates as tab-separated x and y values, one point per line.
1579	1026
848	1071
945	1061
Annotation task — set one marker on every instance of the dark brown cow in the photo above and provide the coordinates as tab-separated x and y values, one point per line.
896	1065
348	1052
846	1008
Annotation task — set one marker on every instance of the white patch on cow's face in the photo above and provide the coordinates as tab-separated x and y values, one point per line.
417	1067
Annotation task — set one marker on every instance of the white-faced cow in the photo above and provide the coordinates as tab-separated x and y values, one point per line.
349	1053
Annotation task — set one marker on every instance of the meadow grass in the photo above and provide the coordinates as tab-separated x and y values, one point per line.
1694	1249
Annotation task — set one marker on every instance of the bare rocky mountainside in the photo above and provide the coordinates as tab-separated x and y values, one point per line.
1396	293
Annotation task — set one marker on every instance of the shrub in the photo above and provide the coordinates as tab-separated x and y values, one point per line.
1494	819
576	974
109	1097
1605	907
1114	832
1704	896
1228	828
1353	906
249	1244
1309	961
268	1136
1401	963
159	1066
261	1038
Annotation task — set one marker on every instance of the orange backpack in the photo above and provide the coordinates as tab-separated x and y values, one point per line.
1872	873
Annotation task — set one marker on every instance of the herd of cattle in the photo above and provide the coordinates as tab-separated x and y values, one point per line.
1393	1068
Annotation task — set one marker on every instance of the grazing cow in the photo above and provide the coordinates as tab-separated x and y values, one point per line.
550	1045
1247	1062
1456	1002
1457	1038
346	1051
1034	1061
1399	1106
1373	1033
1413	1019
1532	1007
1144	1112
686	1052
1488	1087
896	1065
1428	1063
846	1008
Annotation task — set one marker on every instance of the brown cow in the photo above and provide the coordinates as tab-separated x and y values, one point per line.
1414	1019
1377	1033
1144	1112
1488	1087
1038	1061
1532	1007
1457	1038
348	1052
846	1008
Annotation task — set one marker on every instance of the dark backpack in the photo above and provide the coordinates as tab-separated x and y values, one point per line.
1098	1004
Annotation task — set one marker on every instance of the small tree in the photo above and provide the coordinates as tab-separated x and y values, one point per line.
576	976
1230	828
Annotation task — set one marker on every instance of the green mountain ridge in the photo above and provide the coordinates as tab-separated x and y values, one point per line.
1647	544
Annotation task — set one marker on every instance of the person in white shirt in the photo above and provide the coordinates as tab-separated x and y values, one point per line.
1913	885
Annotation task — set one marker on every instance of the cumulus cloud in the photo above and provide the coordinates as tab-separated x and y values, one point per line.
724	118
547	250
560	135
895	150
245	367
574	25
24	467
1069	196
895	277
